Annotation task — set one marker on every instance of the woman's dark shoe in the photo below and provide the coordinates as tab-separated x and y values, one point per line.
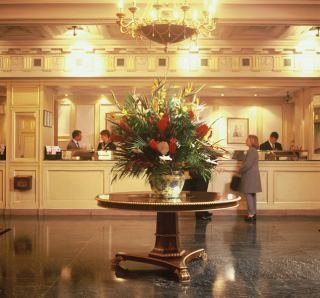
250	218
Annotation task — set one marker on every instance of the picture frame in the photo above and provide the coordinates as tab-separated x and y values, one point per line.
237	130
47	118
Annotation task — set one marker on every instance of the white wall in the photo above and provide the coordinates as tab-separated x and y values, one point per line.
85	119
271	121
262	121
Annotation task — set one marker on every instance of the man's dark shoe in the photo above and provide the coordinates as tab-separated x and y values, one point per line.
203	216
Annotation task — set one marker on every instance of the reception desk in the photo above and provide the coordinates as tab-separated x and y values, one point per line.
286	185
71	186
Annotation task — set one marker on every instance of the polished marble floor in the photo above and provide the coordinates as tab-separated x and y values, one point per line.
70	256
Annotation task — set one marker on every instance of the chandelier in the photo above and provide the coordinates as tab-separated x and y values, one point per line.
167	22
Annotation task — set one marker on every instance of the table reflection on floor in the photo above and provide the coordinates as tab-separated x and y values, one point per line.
70	257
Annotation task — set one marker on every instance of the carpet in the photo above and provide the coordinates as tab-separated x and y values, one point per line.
4	230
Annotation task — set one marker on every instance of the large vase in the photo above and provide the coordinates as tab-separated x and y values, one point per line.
167	186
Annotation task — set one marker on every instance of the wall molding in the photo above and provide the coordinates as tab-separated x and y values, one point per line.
94	64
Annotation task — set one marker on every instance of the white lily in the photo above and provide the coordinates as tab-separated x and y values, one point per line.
165	157
214	162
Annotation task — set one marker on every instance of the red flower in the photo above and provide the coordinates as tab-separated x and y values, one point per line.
163	123
202	130
172	145
191	115
153	144
124	125
115	138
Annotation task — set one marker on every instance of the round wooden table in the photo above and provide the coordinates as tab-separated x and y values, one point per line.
167	251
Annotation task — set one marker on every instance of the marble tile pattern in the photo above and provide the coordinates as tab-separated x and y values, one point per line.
70	256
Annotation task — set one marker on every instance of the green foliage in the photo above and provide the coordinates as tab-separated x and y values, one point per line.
162	135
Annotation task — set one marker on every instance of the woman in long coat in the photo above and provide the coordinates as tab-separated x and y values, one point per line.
250	181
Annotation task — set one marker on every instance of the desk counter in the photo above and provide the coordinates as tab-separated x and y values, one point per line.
73	185
286	184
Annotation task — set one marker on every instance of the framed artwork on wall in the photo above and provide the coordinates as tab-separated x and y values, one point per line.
237	130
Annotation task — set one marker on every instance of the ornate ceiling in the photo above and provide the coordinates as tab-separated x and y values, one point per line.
257	25
243	26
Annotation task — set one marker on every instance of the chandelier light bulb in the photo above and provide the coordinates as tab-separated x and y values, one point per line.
121	5
194	15
175	14
153	14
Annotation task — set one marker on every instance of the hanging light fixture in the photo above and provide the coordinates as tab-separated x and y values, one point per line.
316	29
167	22
75	30
288	97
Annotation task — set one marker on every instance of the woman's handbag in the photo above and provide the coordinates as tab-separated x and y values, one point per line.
235	183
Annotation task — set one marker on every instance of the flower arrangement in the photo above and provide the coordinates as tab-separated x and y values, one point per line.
162	134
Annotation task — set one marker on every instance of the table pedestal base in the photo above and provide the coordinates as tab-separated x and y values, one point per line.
177	265
166	252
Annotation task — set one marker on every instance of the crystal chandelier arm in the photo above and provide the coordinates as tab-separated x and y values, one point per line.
128	26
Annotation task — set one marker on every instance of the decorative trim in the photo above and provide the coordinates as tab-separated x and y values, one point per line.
99	65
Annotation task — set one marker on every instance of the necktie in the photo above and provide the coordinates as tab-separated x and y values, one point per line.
77	145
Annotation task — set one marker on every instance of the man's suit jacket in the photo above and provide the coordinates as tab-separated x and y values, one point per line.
108	146
266	146
72	146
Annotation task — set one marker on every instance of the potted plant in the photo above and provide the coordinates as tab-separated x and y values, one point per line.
161	137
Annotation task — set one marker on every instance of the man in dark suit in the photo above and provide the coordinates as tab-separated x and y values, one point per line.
76	138
198	183
272	143
106	143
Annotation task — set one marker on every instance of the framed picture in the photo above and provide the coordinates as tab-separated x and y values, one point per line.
237	130
47	118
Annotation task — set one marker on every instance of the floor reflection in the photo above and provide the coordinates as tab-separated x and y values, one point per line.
246	251
71	257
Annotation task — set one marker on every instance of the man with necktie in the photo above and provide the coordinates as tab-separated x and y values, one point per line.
76	138
272	143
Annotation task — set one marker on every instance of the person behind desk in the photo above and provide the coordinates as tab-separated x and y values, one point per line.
76	138
106	143
272	143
